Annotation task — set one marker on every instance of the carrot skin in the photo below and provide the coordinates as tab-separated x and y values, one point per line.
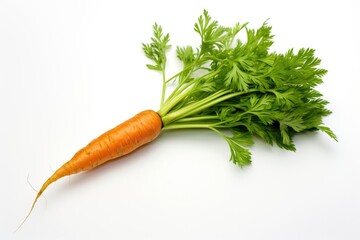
119	141
115	143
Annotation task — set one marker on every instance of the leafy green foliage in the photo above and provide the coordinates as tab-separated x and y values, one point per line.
156	50
228	84
238	143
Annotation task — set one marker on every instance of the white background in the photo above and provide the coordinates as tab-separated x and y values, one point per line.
70	70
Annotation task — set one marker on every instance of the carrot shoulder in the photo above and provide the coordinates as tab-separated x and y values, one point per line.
119	141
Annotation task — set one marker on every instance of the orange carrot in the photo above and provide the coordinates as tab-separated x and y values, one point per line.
119	141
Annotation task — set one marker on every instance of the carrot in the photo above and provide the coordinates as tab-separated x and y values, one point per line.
225	85
119	141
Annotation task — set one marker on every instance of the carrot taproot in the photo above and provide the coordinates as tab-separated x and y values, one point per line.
119	141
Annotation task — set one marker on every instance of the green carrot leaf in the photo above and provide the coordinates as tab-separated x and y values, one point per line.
228	83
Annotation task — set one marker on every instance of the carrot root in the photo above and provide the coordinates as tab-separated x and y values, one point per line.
119	141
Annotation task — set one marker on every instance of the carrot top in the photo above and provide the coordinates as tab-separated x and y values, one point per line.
226	83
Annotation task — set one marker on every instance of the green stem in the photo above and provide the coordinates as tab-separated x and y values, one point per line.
182	91
174	99
187	126
196	107
217	131
196	119
181	72
163	91
198	61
